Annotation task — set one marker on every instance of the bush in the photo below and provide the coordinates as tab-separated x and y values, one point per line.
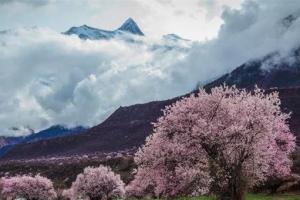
99	183
27	187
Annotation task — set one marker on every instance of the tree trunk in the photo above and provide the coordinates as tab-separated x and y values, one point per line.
234	193
236	188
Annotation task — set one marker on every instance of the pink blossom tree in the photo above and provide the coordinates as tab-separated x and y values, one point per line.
27	187
99	183
224	142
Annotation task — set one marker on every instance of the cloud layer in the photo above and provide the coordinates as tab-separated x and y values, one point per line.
48	78
27	2
253	31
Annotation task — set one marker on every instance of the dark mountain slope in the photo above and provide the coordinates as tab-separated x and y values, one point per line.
8	143
4	141
290	99
128	126
53	132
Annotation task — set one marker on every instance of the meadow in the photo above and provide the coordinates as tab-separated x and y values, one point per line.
252	196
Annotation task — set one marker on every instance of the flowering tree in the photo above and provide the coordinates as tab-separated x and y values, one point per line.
99	183
169	169
27	187
224	141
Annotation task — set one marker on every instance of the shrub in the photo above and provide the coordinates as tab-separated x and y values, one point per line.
27	187
99	183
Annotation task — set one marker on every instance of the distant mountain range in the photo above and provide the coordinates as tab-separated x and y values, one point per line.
7	143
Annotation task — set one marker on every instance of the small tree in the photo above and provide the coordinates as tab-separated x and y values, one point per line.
99	183
227	140
27	187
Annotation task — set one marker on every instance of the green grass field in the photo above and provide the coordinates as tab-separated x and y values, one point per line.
256	197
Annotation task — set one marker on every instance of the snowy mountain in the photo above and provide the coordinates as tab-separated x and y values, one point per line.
171	42
87	32
131	27
173	37
130	33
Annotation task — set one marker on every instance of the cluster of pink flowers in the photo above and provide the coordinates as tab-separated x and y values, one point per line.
99	183
223	142
27	187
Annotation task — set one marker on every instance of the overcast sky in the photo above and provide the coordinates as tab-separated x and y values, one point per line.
49	78
193	19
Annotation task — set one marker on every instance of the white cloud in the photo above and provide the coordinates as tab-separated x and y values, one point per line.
27	2
193	19
48	78
253	31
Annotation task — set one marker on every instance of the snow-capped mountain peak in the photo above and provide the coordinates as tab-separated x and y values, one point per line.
131	26
87	32
174	37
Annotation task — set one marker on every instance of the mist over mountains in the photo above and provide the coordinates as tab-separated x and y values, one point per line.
81	77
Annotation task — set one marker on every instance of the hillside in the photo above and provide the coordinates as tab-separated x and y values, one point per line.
126	128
